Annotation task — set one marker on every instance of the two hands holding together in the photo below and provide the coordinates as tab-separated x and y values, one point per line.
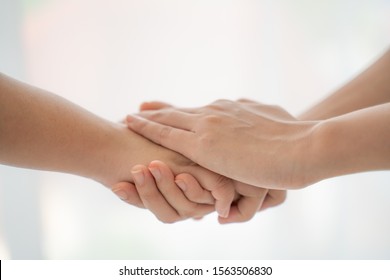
259	150
233	157
229	184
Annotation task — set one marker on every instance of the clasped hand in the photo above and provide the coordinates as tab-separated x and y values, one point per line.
221	137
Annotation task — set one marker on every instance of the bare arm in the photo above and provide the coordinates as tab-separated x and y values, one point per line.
370	88
269	147
40	130
351	143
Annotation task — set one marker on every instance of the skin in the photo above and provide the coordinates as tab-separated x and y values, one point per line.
278	150
247	201
370	88
40	130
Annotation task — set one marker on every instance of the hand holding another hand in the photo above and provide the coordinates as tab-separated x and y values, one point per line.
165	199
257	144
173	199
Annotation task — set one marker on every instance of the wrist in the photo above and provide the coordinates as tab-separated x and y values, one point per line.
122	149
302	151
352	143
117	154
331	152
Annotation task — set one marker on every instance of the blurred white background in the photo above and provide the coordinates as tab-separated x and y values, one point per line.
109	56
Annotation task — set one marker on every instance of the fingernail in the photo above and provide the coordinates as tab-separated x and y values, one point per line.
121	194
129	118
138	176
181	185
224	213
156	173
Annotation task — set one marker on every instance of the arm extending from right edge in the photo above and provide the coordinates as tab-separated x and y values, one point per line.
370	88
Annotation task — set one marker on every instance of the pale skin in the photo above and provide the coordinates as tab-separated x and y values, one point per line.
41	130
346	133
165	185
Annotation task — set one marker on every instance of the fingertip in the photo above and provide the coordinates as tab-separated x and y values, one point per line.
160	170
120	190
223	214
193	190
129	119
156	164
144	106
223	221
182	185
138	173
127	192
153	105
222	211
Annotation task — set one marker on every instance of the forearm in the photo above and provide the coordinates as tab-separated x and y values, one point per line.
355	142
40	130
370	88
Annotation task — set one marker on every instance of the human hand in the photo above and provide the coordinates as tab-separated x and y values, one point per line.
159	193
177	198
131	149
272	143
273	197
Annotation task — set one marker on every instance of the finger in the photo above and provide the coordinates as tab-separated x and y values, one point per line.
245	208
273	198
128	193
224	197
193	190
151	196
221	188
263	109
247	101
153	105
172	138
171	117
164	179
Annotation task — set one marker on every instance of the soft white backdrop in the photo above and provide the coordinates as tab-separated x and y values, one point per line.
109	56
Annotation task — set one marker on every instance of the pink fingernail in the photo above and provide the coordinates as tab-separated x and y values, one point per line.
181	185
138	176
122	195
224	213
156	173
129	118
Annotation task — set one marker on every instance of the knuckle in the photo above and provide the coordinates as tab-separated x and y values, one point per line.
165	131
221	181
218	105
207	141
245	100
222	188
212	119
148	195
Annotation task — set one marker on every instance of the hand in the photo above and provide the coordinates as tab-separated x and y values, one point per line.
257	144
193	202
120	165
174	199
